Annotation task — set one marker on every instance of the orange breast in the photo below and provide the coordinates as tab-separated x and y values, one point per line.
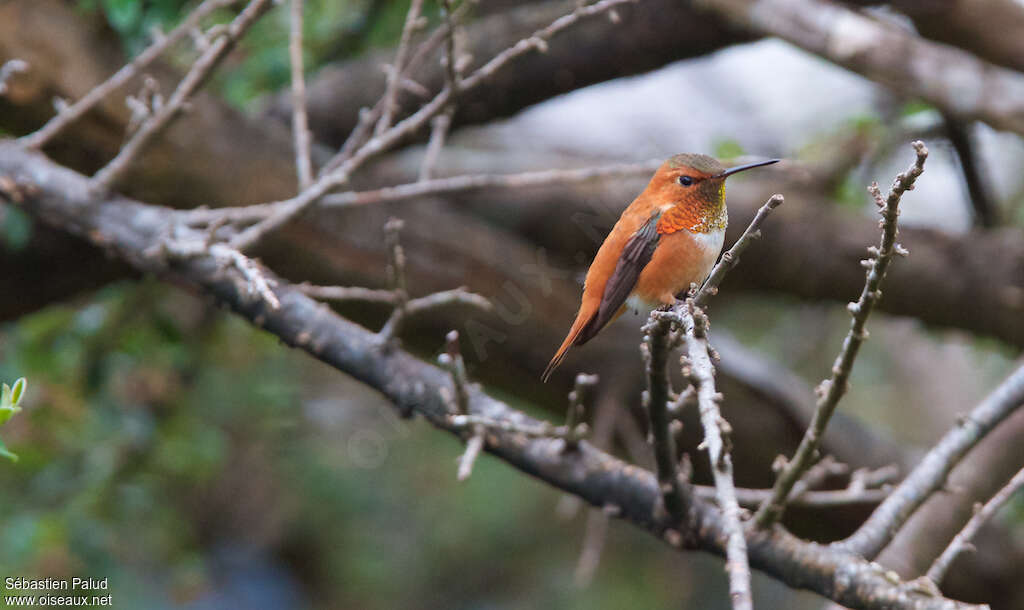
680	259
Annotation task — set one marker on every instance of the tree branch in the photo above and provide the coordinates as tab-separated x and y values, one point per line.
980	91
63	198
962	541
72	112
161	117
300	120
832	390
929	476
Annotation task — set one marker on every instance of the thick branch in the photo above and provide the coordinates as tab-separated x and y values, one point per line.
956	82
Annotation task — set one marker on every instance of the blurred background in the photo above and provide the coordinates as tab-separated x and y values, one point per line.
199	464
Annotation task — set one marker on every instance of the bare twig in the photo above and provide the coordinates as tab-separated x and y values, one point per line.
473	447
732	257
656	347
412	22
348	293
833	389
437	186
440	124
446	298
701	373
285	211
369	116
9	69
452	360
928	476
396	271
398	295
830	498
107	176
577	405
438	132
300	122
73	111
962	541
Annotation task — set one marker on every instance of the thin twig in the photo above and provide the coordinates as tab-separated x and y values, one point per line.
473	447
732	257
833	389
655	348
396	271
828	498
73	111
701	373
962	541
436	186
412	21
452	360
441	123
438	132
348	293
446	298
369	116
930	474
107	176
285	211
300	121
577	405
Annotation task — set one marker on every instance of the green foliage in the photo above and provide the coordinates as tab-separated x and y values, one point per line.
915	107
331	30
10	396
728	149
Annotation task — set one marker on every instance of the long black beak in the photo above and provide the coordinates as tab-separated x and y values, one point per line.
740	168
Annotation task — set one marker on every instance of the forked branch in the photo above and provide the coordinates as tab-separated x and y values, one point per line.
833	389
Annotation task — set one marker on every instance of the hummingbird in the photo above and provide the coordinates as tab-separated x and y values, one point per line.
669	237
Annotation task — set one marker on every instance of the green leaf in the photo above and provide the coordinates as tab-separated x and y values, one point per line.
7	454
18	391
5	398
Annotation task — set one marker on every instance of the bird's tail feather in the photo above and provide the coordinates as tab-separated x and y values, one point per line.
582	320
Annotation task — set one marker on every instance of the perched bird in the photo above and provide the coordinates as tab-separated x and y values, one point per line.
671	235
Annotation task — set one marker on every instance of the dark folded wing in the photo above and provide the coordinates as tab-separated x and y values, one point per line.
635	256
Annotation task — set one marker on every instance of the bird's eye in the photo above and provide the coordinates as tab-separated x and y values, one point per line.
685	180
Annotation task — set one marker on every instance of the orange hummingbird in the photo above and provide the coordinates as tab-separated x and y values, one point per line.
670	236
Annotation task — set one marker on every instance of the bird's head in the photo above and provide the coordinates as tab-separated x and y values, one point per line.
695	183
